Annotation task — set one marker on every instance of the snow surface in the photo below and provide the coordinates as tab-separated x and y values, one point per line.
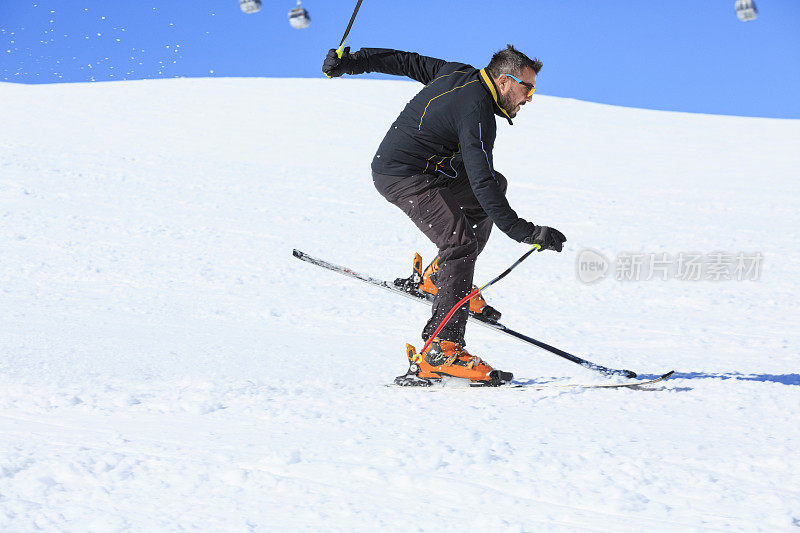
166	364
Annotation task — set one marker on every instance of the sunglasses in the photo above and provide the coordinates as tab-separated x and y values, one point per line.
531	87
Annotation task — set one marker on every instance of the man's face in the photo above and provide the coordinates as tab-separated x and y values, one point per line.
513	95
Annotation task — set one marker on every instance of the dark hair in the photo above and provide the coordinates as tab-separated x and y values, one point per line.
511	61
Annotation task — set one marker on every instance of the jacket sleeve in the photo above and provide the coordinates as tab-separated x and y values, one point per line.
476	134
387	61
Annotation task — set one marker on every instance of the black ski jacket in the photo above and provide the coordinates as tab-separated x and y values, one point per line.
447	128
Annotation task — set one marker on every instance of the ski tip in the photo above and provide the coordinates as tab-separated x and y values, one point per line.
297	253
668	374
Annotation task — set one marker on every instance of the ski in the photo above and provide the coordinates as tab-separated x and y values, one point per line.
629	385
448	384
426	299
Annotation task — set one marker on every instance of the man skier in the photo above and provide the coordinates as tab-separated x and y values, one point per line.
435	164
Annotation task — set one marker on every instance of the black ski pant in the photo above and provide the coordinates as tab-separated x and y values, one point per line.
448	213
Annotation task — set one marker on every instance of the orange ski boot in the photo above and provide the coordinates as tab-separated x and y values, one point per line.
423	284
428	283
477	305
445	358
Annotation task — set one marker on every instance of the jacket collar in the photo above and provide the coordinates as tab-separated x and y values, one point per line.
490	86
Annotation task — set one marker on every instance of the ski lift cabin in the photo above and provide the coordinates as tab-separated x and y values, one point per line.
299	18
746	10
250	6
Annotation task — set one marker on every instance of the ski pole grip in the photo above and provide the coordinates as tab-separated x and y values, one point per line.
339	52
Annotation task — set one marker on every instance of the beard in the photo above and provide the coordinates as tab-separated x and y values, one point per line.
507	103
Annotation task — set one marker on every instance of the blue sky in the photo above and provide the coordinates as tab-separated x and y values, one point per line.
693	56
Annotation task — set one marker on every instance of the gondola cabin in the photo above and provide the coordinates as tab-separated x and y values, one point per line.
746	10
250	6
299	17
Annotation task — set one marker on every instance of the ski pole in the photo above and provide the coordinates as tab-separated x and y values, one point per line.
552	349
568	356
477	291
340	50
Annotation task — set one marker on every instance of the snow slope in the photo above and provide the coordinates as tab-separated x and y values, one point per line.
166	364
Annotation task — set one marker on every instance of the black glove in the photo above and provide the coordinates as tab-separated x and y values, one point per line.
334	66
546	237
